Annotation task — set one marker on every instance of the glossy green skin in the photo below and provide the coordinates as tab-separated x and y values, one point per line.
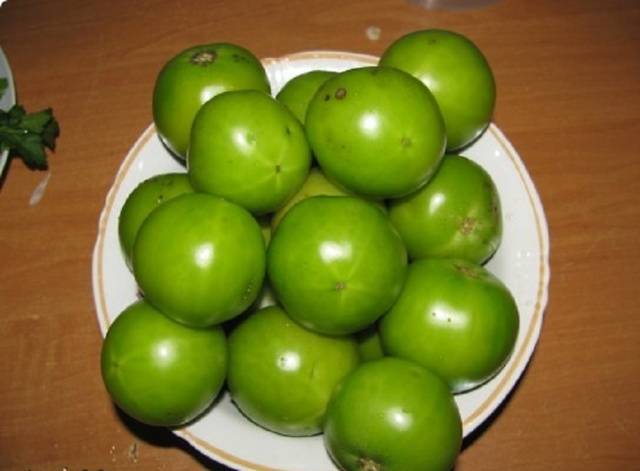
336	264
249	149
455	318
458	75
193	77
316	184
377	131
159	371
393	415
282	375
298	92
199	259
456	215
142	200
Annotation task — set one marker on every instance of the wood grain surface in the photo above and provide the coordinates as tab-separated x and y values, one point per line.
568	75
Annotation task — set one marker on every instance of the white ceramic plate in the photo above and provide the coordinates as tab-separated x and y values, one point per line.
8	99
521	262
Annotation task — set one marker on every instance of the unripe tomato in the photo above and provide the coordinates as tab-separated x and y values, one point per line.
248	148
142	200
316	184
298	92
456	72
336	263
393	415
454	318
377	131
193	77
281	375
159	371
199	259
456	215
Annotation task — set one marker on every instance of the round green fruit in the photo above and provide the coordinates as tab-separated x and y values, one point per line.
193	77
298	92
281	375
454	318
377	131
456	72
248	148
336	263
199	259
316	184
456	215
161	372
142	200
393	415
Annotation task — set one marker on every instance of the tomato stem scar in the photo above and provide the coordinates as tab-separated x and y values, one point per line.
204	58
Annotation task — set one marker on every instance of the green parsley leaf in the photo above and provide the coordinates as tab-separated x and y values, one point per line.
28	134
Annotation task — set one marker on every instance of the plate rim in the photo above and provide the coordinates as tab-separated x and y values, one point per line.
517	363
11	85
11	89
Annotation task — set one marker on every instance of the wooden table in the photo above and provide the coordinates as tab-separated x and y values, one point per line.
568	75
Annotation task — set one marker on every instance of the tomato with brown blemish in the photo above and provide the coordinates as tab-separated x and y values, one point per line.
298	92
194	76
456	215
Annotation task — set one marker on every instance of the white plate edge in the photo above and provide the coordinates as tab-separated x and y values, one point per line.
542	296
96	264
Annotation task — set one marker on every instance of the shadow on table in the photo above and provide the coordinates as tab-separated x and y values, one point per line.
165	438
479	431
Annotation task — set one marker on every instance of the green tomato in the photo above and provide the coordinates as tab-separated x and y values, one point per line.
193	77
249	149
282	375
142	200
298	92
377	131
393	415
316	184
456	72
161	372
454	318
336	264
456	215
199	259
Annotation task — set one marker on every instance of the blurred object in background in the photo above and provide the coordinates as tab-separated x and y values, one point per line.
451	4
